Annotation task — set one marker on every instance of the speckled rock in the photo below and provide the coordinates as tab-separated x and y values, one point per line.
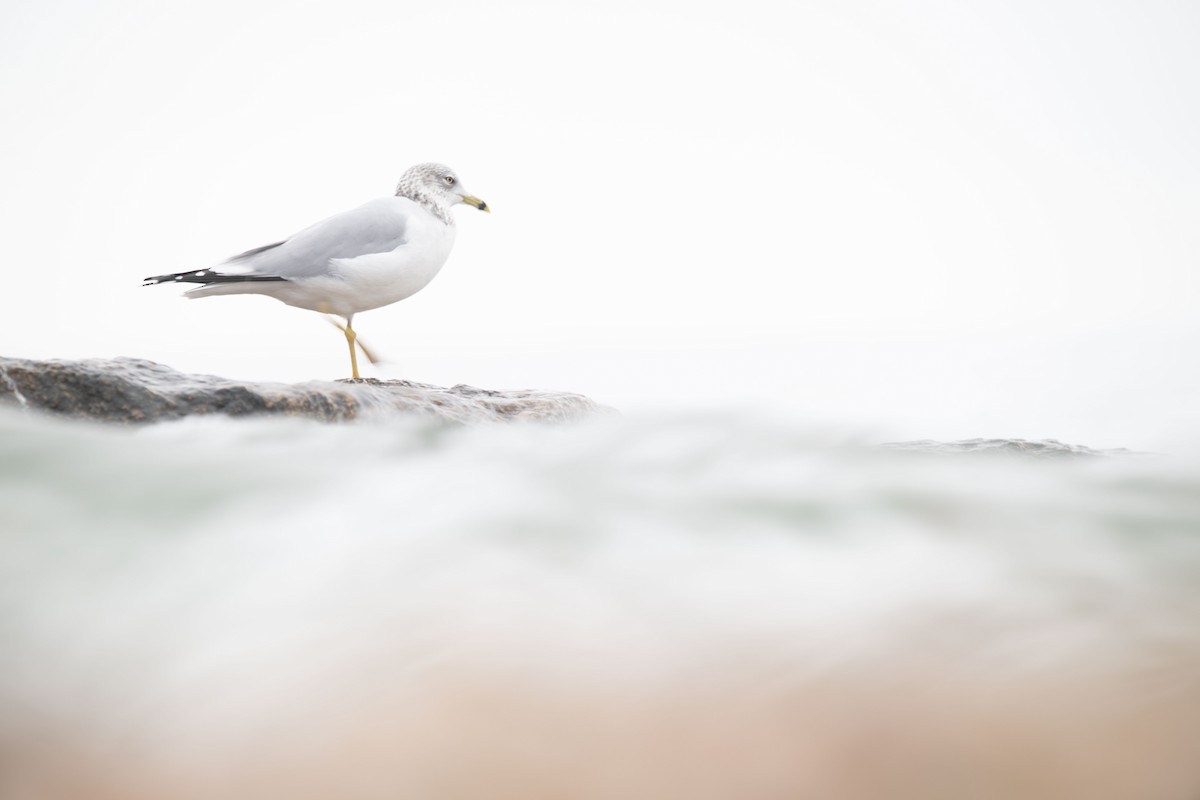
131	390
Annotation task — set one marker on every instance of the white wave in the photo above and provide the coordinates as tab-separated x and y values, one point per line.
705	606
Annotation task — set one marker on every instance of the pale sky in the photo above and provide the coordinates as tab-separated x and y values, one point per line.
943	219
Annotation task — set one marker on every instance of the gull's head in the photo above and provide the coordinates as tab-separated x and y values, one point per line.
436	185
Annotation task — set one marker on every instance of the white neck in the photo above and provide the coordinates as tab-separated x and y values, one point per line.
419	195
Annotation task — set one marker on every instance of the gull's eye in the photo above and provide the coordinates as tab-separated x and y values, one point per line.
449	180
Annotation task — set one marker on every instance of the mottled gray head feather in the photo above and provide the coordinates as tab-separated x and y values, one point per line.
432	185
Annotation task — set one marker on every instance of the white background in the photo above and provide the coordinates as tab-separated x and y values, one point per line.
942	219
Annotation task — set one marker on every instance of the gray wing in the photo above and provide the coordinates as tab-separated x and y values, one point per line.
377	227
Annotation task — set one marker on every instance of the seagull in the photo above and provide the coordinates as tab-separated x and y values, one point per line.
368	257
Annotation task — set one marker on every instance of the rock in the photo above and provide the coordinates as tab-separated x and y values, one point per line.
133	390
1043	448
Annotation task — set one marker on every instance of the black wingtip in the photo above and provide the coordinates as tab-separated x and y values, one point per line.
207	276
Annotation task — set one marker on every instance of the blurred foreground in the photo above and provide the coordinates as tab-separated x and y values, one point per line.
704	607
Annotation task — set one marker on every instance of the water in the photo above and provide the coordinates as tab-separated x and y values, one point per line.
703	606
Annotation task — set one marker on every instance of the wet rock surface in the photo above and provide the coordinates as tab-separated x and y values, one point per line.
130	390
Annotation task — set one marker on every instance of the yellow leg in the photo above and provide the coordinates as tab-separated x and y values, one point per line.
351	336
374	359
